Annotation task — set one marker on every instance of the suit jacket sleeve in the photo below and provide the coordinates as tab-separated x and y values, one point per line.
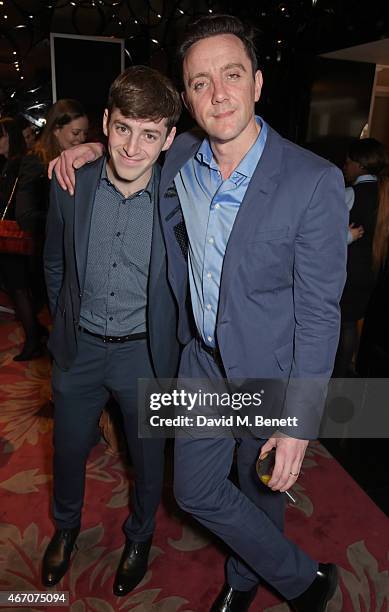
54	248
319	277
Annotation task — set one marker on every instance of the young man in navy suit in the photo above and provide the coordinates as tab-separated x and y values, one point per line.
255	230
114	312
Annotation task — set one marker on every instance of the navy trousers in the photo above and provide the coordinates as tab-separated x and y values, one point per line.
248	518
79	397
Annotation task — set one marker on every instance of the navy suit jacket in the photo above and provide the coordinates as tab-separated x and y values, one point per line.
283	271
65	258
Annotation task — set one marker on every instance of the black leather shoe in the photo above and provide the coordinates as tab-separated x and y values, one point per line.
231	600
316	597
132	567
57	555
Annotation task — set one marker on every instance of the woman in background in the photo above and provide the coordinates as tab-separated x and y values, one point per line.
14	269
66	126
370	455
365	171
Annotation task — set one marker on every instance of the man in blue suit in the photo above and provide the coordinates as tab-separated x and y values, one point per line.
255	231
113	310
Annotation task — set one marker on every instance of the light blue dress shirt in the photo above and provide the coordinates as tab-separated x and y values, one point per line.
210	205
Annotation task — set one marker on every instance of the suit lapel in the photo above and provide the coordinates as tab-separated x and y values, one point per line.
253	207
157	255
86	186
170	207
176	158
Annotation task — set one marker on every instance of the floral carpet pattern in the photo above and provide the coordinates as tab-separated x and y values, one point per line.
333	519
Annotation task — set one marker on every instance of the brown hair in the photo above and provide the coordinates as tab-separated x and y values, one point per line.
143	93
213	25
60	114
381	233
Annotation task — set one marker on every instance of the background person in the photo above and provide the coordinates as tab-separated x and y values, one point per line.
364	171
373	355
66	126
14	268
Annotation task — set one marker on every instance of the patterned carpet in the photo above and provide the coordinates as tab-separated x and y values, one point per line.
333	519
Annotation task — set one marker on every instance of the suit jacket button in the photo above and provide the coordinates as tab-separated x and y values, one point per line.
80	295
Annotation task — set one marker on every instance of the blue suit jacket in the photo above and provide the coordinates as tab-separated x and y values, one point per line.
65	258
283	271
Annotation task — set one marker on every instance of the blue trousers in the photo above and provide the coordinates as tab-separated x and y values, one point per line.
79	397
249	517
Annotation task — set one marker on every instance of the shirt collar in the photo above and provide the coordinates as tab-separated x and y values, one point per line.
205	156
149	189
365	178
248	164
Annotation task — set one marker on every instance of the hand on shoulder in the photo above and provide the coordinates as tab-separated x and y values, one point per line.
72	159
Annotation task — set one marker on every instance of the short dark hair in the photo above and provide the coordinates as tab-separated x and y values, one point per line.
370	153
213	25
141	92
